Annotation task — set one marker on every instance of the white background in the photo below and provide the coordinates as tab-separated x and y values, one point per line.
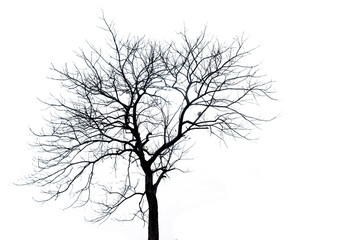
299	180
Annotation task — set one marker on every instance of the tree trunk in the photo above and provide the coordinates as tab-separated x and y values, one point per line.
153	228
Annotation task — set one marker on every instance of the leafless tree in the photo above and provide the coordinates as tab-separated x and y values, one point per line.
124	122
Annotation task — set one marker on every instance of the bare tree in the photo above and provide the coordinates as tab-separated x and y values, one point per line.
127	115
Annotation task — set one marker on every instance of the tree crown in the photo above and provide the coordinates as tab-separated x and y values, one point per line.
128	114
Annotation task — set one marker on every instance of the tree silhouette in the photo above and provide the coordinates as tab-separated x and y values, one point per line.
124	122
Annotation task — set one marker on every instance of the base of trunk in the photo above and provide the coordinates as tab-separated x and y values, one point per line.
153	227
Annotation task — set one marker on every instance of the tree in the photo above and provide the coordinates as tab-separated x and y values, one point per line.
128	114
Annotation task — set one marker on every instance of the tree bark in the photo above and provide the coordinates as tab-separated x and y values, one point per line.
153	226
